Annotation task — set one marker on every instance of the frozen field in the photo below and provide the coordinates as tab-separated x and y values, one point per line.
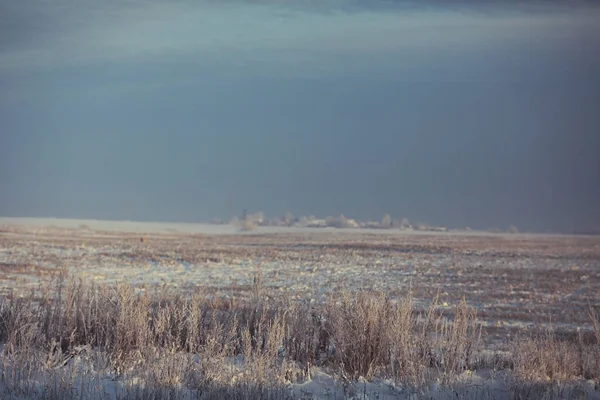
514	281
279	283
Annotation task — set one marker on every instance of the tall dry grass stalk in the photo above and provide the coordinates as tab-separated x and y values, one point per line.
549	358
75	337
371	335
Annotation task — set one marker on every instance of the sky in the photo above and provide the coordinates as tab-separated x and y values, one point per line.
448	113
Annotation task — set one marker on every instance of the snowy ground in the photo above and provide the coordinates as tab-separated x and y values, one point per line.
515	281
82	379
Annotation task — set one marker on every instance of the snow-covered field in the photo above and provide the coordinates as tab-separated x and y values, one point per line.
515	282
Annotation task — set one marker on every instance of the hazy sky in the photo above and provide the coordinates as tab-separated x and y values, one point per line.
160	110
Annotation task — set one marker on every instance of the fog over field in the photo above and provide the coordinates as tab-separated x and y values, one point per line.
454	114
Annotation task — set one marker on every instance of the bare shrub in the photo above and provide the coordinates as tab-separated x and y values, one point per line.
593	370
458	340
162	344
548	358
386	221
248	225
257	218
371	334
358	326
288	219
305	337
402	223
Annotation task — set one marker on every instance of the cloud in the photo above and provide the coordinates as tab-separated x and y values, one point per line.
249	37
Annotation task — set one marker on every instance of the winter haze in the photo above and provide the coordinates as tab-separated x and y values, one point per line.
452	114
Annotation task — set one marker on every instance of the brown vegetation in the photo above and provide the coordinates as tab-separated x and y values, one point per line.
161	342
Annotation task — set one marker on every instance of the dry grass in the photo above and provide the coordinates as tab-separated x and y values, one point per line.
65	342
373	336
549	358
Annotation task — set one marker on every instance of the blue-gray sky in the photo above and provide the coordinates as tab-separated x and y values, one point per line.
451	113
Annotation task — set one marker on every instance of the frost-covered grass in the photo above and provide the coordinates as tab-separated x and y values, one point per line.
329	315
75	339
